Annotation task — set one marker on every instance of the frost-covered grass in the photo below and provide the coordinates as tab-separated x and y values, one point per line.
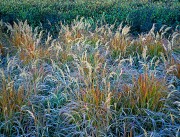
92	80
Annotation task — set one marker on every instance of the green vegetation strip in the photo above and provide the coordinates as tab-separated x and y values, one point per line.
139	15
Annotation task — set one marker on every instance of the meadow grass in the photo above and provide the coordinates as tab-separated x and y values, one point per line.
76	85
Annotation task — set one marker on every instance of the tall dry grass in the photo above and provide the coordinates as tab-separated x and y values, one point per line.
92	80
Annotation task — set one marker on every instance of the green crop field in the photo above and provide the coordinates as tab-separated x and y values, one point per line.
89	68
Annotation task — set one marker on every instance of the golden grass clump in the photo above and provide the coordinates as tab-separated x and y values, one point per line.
154	47
178	71
95	97
156	42
119	41
174	69
94	106
70	36
27	56
77	31
11	101
22	34
147	92
27	41
101	34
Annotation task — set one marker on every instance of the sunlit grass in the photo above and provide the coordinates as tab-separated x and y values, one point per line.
27	41
11	102
146	92
85	82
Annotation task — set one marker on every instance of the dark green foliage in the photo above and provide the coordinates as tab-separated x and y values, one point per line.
139	15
